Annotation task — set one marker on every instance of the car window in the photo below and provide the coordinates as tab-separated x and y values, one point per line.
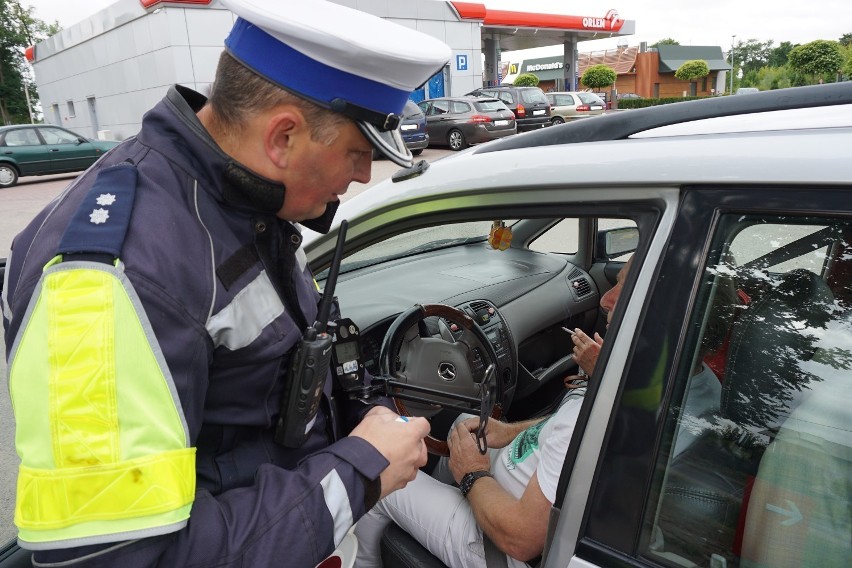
755	462
506	97
411	110
420	241
486	106
531	96
460	107
564	236
58	136
564	100
439	107
424	106
590	98
21	137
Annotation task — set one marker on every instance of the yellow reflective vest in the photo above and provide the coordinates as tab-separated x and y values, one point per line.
101	434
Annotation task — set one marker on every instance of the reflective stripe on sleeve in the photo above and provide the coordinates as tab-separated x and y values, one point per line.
337	501
243	320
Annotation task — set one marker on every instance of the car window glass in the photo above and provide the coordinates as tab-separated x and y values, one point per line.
420	241
58	136
506	97
561	237
424	106
754	467
531	96
486	106
590	98
440	107
22	137
411	110
460	107
564	100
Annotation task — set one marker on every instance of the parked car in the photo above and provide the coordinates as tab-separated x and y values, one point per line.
529	105
34	150
571	105
458	122
412	127
754	192
622	96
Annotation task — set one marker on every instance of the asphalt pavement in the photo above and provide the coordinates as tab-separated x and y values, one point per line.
18	205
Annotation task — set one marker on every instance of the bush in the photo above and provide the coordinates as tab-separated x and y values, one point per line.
526	80
598	77
640	103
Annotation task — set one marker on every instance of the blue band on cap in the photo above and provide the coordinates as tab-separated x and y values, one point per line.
297	72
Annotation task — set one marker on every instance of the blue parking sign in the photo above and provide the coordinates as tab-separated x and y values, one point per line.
461	62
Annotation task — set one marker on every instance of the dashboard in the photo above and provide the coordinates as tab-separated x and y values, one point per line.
520	298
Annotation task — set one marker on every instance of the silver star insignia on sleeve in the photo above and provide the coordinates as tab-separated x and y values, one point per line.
106	199
99	216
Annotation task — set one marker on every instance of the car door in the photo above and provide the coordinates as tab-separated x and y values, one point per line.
438	120
718	430
68	152
23	148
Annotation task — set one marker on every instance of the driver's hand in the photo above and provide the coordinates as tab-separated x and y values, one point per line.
401	443
497	434
586	350
464	453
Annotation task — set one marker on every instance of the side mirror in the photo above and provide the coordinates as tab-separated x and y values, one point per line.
613	243
81	140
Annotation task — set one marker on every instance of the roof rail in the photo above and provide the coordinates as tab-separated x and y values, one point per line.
618	126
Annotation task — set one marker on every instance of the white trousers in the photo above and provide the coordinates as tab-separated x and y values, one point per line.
435	514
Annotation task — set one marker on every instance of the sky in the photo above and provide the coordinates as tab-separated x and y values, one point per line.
690	22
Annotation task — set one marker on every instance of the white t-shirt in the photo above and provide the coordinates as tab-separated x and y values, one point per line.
540	448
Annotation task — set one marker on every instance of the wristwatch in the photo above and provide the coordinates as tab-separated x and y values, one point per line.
470	478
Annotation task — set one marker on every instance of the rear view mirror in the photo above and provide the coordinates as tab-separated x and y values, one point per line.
613	243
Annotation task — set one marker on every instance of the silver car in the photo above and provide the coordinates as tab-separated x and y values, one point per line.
571	105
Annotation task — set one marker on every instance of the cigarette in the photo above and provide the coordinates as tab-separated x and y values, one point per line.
571	332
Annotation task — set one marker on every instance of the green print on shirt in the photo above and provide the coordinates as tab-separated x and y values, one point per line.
525	443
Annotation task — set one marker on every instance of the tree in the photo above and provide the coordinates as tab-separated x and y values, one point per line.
18	30
845	40
778	55
526	80
665	41
821	58
692	70
599	77
751	55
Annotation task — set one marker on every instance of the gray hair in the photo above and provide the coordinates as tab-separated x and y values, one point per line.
238	93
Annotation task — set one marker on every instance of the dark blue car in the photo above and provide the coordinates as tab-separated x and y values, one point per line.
413	128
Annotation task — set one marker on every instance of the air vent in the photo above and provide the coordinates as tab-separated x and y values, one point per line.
582	287
478	306
576	273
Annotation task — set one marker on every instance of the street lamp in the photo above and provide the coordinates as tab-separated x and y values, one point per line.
733	37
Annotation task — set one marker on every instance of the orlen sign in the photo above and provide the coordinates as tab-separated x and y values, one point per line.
609	22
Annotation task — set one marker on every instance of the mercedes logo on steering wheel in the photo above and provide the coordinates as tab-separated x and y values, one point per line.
447	371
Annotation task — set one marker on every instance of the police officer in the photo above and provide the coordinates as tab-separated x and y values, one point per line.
151	312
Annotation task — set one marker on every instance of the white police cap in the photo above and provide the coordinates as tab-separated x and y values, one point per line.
339	58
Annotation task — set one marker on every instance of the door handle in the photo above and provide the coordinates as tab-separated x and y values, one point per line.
54	149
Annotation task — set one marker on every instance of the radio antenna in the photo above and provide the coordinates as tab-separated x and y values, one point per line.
331	281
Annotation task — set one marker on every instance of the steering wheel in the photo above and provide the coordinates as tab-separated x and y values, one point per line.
440	365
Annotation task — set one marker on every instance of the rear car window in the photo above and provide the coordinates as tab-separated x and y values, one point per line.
590	98
533	96
489	105
460	108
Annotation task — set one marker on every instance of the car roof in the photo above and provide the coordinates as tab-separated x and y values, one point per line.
644	148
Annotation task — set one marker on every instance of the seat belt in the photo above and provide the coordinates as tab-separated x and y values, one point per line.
494	557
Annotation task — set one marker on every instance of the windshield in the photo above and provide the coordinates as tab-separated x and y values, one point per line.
533	96
484	106
418	241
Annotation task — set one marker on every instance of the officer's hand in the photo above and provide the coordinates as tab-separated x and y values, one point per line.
401	443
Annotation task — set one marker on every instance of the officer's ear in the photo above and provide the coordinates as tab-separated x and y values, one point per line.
285	130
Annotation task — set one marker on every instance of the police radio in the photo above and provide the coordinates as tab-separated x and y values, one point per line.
309	365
